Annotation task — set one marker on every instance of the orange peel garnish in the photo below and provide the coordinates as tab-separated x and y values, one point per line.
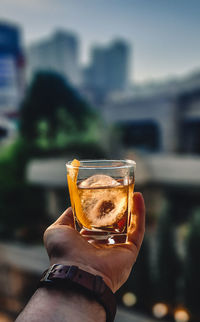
74	194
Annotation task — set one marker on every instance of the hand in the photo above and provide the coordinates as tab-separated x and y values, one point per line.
113	262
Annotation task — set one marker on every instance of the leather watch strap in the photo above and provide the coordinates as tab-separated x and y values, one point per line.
94	284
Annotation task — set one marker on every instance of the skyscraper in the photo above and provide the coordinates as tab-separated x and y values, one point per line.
118	66
11	67
109	68
58	53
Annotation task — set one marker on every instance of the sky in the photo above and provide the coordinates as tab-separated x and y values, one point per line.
163	34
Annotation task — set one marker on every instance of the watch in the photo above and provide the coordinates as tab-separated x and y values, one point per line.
62	275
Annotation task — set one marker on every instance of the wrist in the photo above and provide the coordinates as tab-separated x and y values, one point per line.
65	277
84	267
59	305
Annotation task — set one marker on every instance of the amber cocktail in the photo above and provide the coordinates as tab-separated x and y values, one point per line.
101	193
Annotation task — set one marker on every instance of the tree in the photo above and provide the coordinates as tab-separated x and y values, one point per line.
139	281
54	117
192	265
54	121
167	265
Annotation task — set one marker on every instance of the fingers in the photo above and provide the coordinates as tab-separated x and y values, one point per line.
55	235
137	227
66	218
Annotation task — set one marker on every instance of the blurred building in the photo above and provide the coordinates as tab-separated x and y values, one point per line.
109	69
147	123
189	102
11	68
58	53
21	267
162	119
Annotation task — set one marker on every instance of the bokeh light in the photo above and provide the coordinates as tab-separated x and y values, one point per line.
181	315
160	310
4	317
129	299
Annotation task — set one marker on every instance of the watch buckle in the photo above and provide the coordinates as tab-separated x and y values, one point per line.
45	278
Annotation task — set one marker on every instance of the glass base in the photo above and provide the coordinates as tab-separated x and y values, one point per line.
107	238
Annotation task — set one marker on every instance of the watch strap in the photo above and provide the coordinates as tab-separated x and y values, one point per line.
59	274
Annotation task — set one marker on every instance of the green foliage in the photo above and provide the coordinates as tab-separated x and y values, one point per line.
54	116
13	160
55	121
20	205
192	265
167	265
67	133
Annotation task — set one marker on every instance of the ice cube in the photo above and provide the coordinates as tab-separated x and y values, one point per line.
99	180
103	207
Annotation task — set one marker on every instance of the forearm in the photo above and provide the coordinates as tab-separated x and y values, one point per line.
53	305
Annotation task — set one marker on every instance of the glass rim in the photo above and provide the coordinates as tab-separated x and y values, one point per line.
127	164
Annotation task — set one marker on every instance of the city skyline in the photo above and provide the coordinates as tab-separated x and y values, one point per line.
164	36
108	69
59	52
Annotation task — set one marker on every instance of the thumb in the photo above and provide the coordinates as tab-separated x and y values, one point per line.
66	218
137	226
